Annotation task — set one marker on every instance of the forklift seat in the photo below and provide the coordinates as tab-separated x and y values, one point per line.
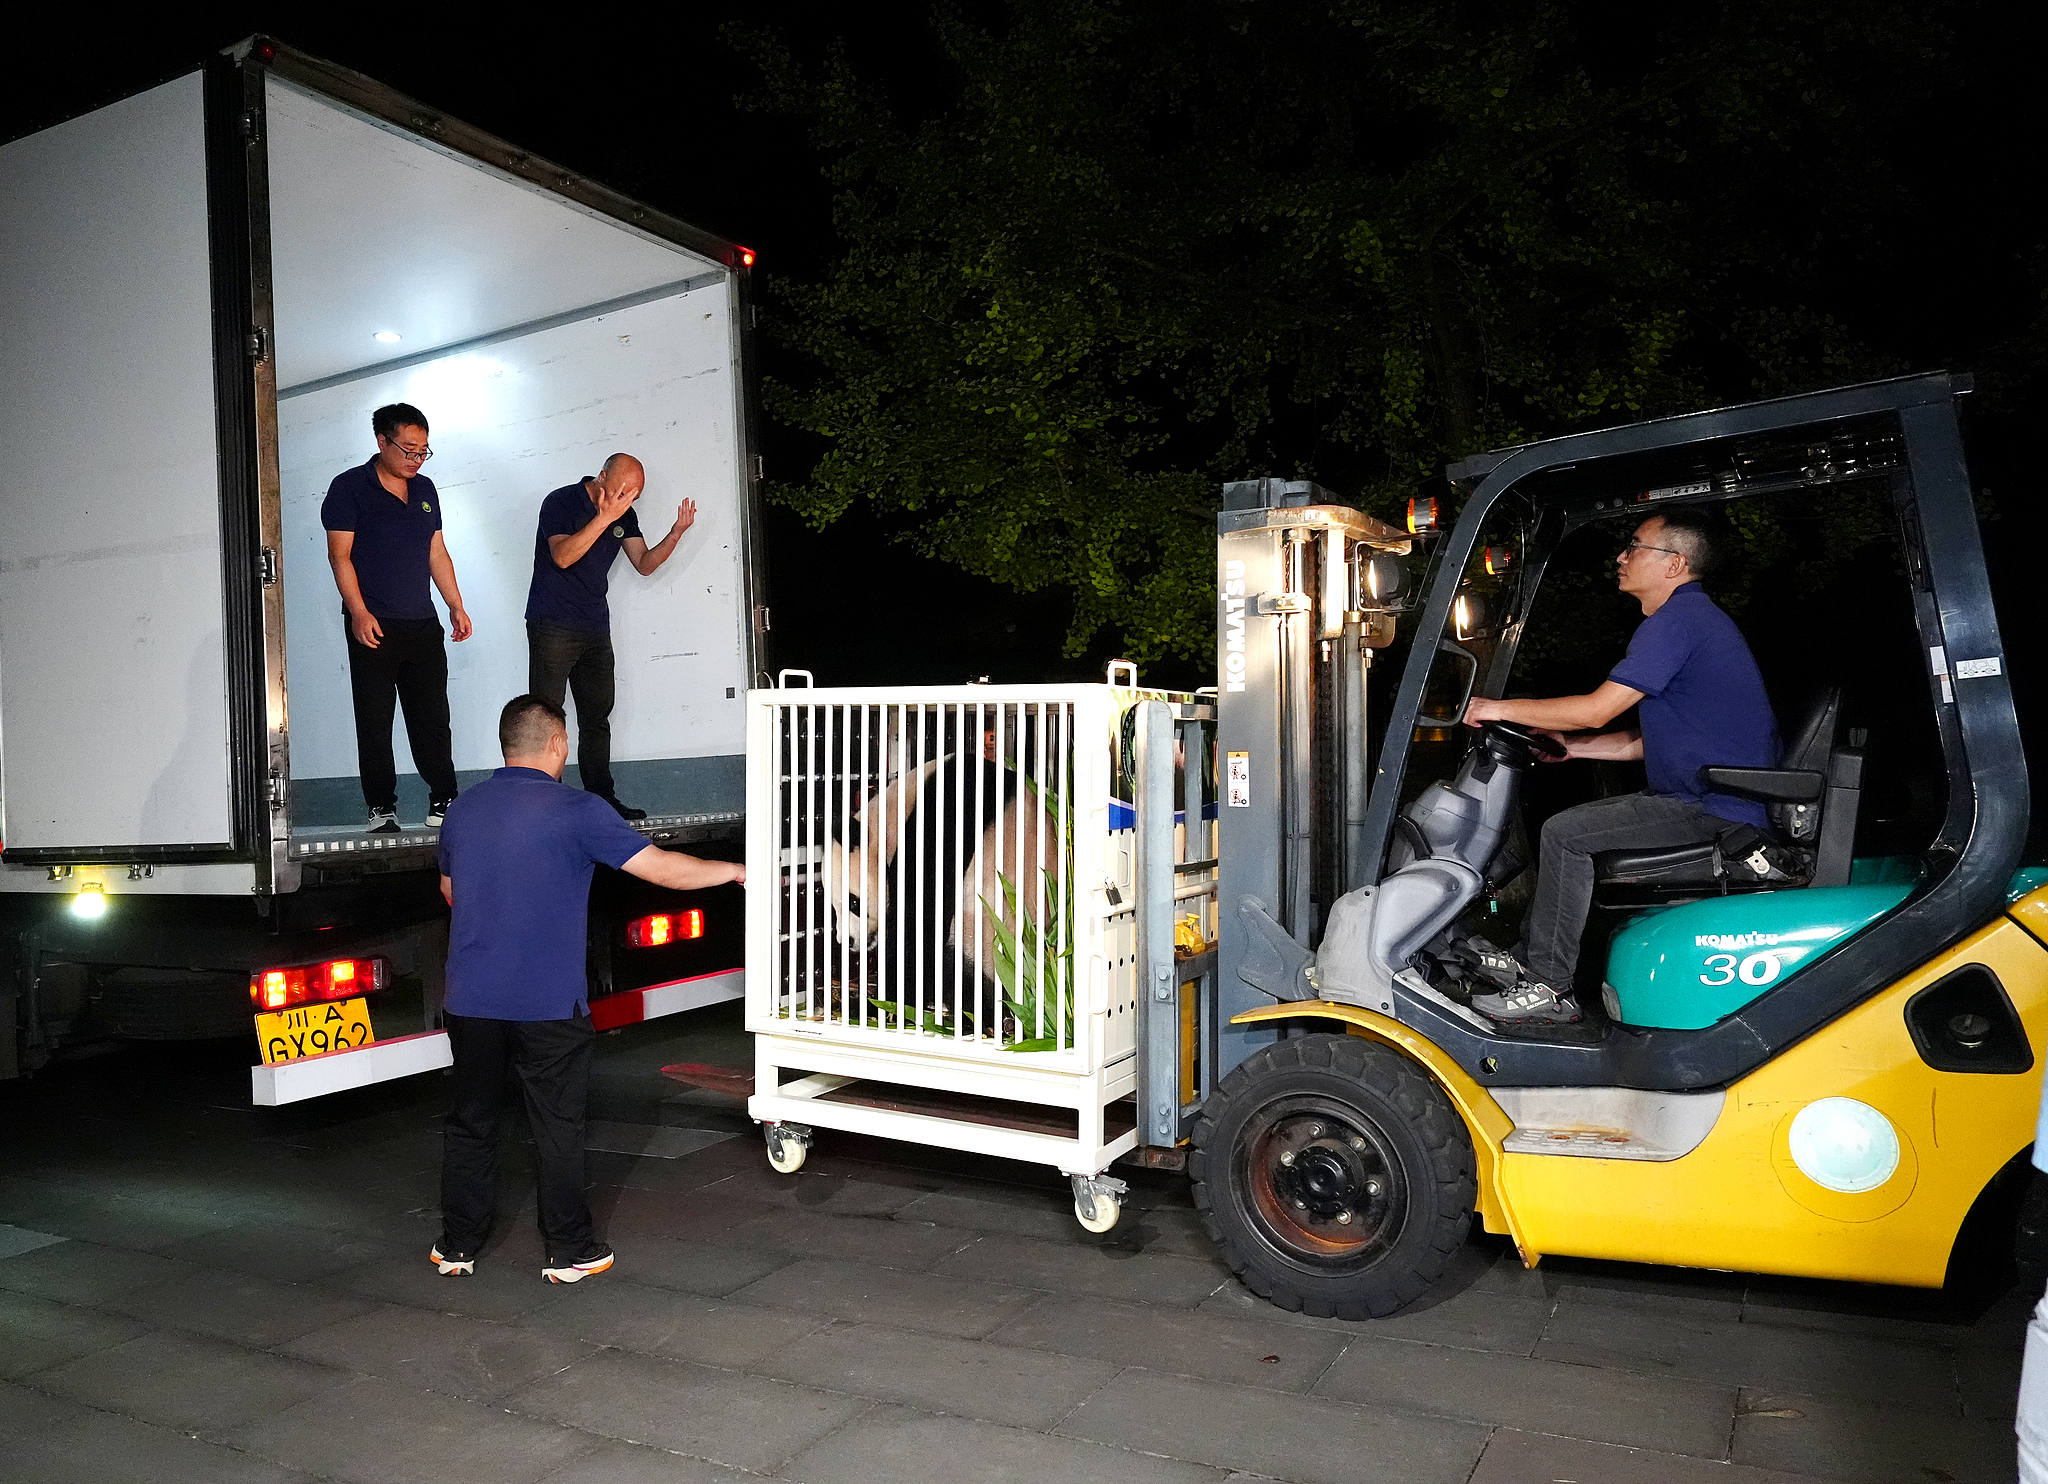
1810	801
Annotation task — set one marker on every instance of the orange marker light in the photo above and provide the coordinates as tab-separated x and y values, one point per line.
1421	514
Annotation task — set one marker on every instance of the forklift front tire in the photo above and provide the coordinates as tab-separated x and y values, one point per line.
1334	1175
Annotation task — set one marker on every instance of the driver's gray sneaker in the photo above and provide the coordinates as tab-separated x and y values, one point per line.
1528	1003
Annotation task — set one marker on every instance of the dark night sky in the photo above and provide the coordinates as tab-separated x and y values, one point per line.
651	110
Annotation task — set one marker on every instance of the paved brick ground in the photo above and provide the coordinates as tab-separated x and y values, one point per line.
191	1289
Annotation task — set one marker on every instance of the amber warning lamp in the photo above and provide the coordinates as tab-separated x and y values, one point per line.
1421	514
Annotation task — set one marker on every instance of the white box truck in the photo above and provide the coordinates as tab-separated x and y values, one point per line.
207	288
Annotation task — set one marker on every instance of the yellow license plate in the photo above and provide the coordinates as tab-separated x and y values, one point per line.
313	1030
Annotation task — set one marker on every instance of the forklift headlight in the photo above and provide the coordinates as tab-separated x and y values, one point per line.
1380	581
1841	1144
1468	613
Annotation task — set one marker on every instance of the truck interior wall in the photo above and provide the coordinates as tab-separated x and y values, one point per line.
537	339
113	688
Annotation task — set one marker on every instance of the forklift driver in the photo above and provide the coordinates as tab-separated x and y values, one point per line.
1700	702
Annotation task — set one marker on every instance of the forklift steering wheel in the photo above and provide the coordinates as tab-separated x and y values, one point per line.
1539	742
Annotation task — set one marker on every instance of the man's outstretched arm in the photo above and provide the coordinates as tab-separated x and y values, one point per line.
1588	713
679	872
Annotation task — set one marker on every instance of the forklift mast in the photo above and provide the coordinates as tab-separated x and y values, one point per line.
1296	628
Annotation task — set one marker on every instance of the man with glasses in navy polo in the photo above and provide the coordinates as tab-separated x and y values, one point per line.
1699	701
383	521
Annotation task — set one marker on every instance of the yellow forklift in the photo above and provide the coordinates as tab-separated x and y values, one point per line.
1813	1060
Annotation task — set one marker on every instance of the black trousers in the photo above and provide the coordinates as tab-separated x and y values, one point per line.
410	669
581	662
1564	881
551	1059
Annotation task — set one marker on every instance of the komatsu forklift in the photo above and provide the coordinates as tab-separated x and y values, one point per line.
1812	1053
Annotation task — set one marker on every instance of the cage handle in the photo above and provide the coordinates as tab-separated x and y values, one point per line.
1128	666
782	679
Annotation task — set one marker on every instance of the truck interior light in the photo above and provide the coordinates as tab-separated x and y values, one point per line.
1843	1144
386	337
663	928
90	902
1421	514
1498	559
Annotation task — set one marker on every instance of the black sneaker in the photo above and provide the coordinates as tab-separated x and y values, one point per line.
596	1259
1496	965
1529	1004
626	811
382	822
454	1263
437	813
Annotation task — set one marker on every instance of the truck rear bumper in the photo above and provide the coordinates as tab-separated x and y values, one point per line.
337	1071
631	1006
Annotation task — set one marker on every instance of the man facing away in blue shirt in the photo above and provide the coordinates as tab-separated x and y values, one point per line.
1700	702
517	853
583	527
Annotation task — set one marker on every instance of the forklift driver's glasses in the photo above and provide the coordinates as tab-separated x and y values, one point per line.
417	455
1635	546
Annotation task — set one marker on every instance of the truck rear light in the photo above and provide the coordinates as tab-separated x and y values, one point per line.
337	979
746	257
664	928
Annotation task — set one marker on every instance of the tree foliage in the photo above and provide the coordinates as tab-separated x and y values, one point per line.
1134	248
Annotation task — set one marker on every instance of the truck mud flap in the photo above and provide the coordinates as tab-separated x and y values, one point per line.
631	1006
337	1071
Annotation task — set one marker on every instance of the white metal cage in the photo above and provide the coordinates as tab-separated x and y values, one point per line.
942	909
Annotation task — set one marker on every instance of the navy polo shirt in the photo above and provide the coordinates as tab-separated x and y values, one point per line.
394	539
1703	701
519	849
572	597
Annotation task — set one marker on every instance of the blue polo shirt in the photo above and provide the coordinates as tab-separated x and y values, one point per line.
519	849
1703	701
572	597
394	539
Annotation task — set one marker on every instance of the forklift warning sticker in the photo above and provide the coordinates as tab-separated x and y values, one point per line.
1237	780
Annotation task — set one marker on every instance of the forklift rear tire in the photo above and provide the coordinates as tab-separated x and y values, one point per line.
1335	1177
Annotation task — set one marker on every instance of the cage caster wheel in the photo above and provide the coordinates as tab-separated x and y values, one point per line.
1098	1201
788	1143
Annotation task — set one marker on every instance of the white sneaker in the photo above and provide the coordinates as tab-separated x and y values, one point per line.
437	813
382	822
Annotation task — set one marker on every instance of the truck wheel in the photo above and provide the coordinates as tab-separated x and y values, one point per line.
1335	1176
